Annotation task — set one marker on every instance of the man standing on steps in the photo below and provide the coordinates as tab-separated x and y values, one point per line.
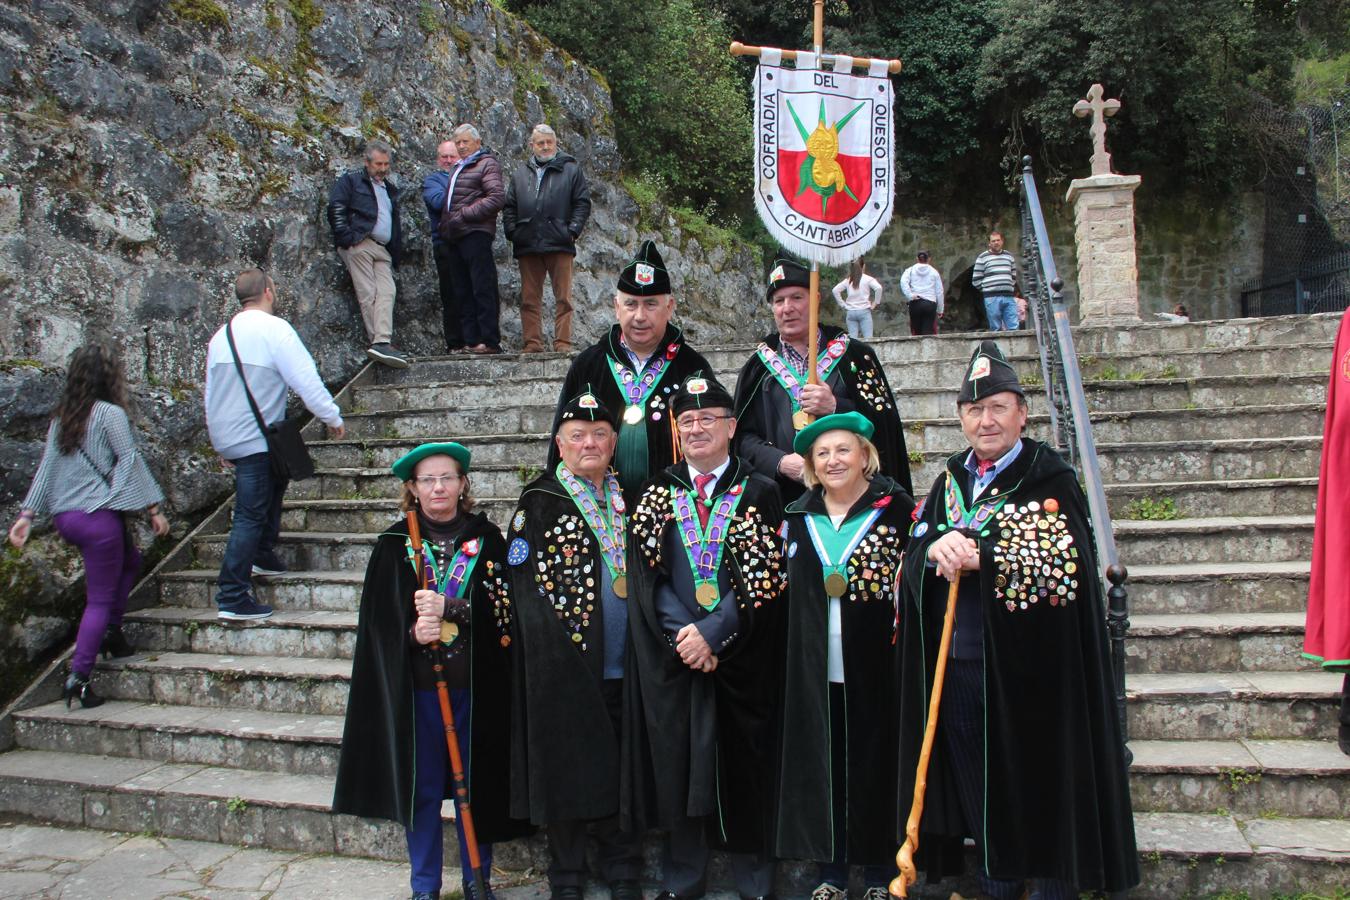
1326	638
774	400
564	616
922	286
995	277
634	368
474	197
1027	758
547	205
363	213
434	187
706	571
267	358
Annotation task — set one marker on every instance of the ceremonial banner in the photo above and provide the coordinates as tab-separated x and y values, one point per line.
824	155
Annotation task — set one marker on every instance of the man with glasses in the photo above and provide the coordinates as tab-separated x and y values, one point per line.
775	401
634	369
565	618
1027	758
705	566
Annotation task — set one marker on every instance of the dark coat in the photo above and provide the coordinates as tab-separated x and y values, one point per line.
546	216
478	196
805	788
591	368
352	211
764	431
1056	793
702	743
376	768
564	750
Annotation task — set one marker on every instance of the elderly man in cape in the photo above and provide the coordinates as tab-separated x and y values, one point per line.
565	617
1028	758
706	569
774	400
634	368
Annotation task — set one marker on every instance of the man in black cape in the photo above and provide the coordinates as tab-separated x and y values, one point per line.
634	369
702	635
566	620
1028	758
774	400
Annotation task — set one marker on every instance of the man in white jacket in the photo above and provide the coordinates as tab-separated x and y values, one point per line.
273	359
922	286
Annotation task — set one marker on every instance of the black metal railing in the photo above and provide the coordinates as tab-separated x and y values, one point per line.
1323	286
1069	421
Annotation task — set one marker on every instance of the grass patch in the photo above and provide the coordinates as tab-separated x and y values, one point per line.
206	13
1164	510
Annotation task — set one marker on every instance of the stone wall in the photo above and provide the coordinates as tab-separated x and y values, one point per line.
150	150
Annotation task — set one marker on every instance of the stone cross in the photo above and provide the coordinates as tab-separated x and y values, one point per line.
1099	109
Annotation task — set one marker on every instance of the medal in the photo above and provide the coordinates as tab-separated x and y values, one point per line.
790	380
706	595
800	420
632	415
703	544
620	586
835	569
607	525
835	584
637	388
449	631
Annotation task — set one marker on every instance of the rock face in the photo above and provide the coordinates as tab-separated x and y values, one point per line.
150	150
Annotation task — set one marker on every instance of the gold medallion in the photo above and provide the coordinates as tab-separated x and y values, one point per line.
835	584
706	594
632	415
620	586
800	420
449	631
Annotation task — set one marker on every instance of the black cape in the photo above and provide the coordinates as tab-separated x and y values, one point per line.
376	767
564	750
764	429
868	615
1056	793
701	744
591	368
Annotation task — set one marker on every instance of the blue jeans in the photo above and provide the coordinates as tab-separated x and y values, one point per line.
859	323
253	533
1002	312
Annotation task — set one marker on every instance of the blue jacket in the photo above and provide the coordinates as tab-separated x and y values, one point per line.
433	195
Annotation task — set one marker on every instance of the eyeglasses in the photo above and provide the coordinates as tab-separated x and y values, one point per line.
975	411
430	481
707	421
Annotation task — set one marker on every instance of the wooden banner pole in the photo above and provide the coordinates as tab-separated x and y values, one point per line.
738	49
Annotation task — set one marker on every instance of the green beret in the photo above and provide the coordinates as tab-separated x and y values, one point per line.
855	422
404	465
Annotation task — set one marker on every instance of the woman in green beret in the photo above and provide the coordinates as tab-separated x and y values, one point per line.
394	762
837	793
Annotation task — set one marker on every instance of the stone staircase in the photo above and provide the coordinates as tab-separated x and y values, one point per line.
1209	438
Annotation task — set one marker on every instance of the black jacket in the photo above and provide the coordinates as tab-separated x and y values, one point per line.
546	216
352	211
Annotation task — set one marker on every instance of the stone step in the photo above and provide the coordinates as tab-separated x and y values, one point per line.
327	591
1235	497
1231	586
274	683
1288	456
372	516
1197	540
1231	705
301	550
261	740
312	634
1215	642
488	449
1246	777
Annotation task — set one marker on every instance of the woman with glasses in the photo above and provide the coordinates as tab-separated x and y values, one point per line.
837	792
394	762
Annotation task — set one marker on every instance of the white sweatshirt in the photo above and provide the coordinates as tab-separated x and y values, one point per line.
860	297
922	281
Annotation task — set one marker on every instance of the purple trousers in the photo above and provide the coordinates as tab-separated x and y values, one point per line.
111	564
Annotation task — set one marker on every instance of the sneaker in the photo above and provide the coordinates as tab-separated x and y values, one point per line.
387	355
244	610
270	564
827	891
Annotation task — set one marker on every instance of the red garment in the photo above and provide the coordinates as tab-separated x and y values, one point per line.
1327	633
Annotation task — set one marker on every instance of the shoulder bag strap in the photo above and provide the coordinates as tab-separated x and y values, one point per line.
239	367
93	465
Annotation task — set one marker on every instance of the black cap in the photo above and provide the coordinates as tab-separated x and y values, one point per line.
646	275
987	374
701	391
587	407
787	273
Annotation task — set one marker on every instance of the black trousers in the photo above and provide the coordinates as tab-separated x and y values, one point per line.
454	337
922	316
473	274
619	853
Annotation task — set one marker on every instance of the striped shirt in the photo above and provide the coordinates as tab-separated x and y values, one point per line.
110	473
995	274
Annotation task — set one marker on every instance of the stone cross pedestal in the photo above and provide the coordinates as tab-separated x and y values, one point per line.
1103	215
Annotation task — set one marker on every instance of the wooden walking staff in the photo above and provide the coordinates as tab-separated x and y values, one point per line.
448	718
904	860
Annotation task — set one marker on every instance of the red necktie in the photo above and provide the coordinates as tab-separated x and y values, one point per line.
701	484
984	465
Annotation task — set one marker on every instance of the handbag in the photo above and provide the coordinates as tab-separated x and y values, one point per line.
287	454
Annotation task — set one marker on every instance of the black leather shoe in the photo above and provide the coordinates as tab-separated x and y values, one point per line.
77	687
115	644
625	889
566	892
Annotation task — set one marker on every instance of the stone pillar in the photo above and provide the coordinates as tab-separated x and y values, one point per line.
1108	277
